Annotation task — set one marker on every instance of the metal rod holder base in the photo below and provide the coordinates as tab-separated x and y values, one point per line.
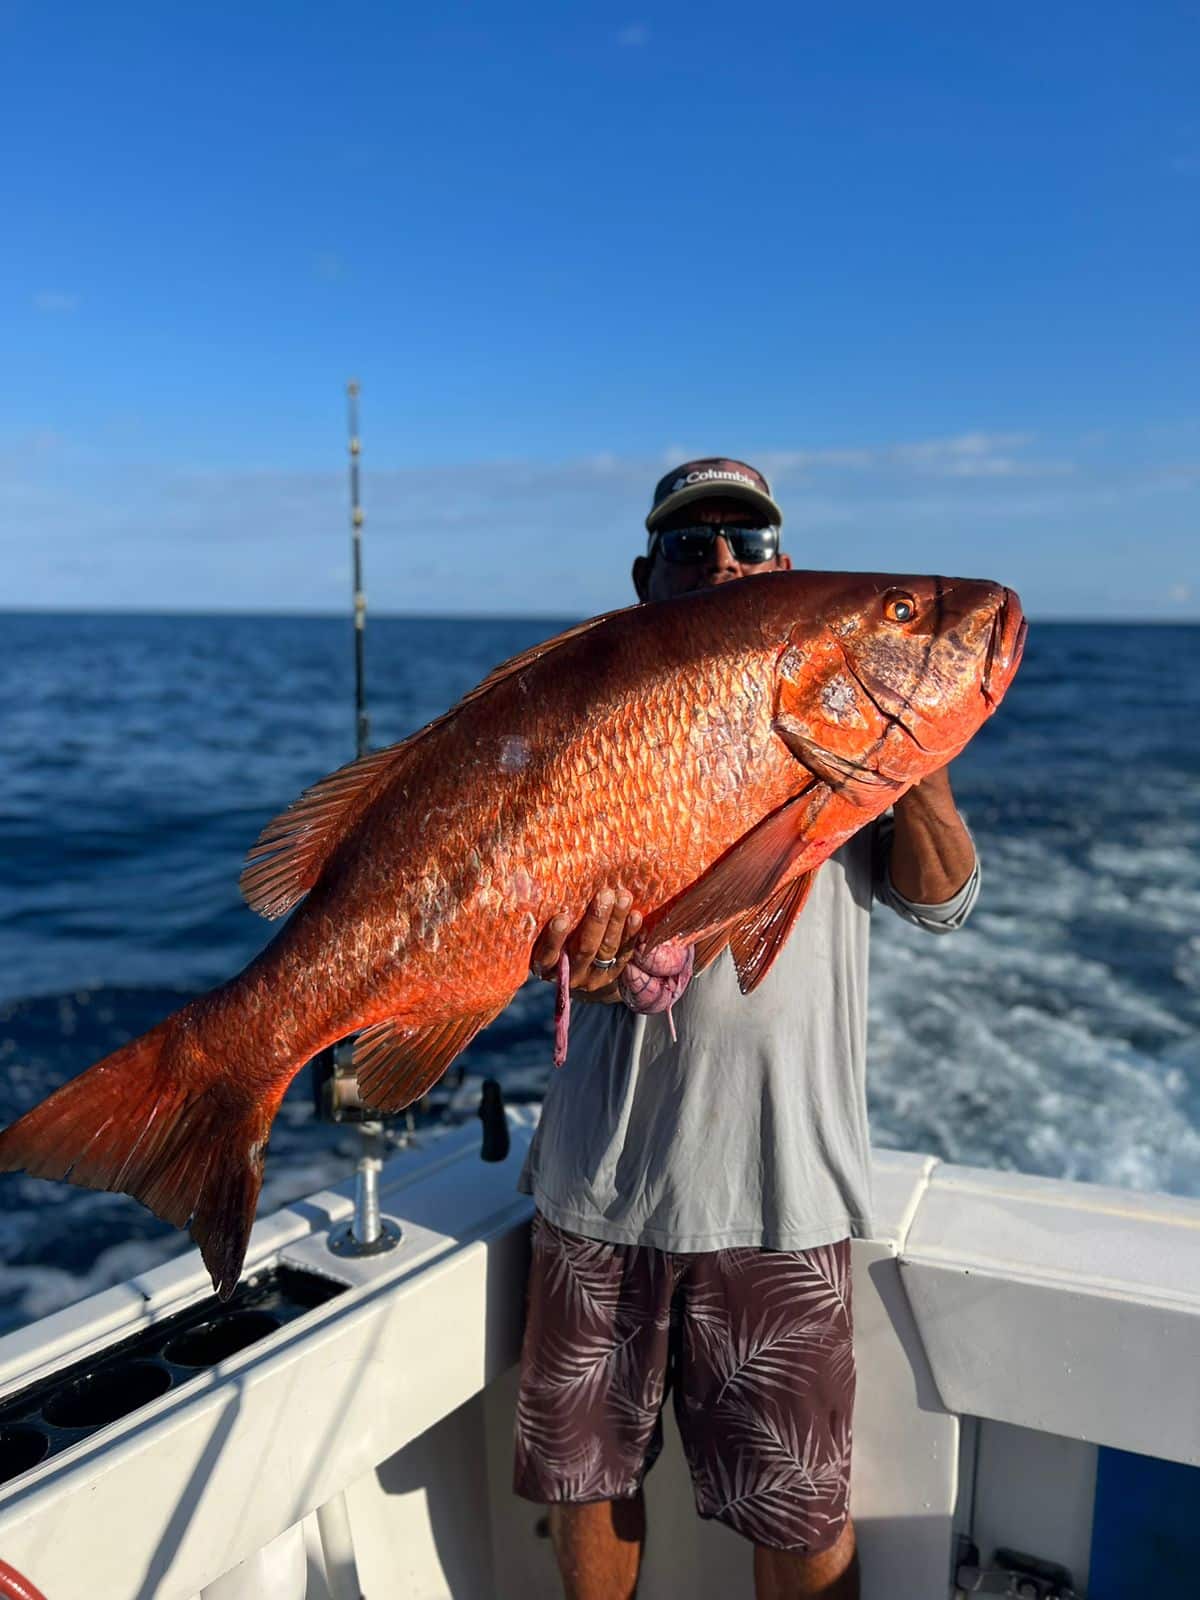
342	1240
370	1234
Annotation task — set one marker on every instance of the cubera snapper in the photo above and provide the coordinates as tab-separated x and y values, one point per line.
707	752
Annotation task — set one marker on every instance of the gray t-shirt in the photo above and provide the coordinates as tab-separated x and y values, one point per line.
752	1128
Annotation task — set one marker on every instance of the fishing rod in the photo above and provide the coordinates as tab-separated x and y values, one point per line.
335	1091
362	725
369	1233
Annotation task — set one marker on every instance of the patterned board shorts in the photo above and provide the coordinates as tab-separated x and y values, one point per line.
756	1346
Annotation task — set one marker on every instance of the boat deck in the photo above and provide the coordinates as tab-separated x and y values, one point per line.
1027	1362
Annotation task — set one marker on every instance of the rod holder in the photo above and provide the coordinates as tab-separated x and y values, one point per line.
369	1233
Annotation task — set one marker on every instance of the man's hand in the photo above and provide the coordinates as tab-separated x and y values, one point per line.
607	934
932	853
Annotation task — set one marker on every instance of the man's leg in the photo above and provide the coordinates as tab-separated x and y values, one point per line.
764	1397
588	1426
832	1574
599	1547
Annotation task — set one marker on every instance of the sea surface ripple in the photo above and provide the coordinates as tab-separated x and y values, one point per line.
1058	1033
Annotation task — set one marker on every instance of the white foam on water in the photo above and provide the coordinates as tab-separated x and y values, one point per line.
39	1290
1187	964
1039	1042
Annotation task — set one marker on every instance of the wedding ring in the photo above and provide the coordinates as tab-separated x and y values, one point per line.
603	966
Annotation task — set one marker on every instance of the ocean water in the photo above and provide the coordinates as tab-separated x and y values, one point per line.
1058	1033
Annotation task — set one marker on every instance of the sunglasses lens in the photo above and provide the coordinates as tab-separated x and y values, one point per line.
753	545
687	546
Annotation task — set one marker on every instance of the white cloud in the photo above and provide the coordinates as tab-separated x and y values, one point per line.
25	448
1178	475
557	537
963	455
54	302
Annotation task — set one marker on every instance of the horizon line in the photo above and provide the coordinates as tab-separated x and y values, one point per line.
1083	619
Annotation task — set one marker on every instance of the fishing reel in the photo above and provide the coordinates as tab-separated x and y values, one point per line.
336	1099
335	1089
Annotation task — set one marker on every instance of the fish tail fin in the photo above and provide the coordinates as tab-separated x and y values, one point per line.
190	1151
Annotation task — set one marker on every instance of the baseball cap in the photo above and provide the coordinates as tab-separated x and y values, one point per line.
711	476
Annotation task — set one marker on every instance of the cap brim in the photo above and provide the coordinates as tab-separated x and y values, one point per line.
714	491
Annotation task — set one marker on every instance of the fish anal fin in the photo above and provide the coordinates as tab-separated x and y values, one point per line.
746	876
757	940
396	1064
292	848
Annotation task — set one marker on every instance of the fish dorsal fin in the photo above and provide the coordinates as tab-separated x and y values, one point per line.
395	1065
527	658
291	850
745	876
756	941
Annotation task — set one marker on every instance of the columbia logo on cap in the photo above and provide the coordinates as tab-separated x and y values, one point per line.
694	479
711	475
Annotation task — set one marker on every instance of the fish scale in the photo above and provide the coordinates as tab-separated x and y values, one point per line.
708	753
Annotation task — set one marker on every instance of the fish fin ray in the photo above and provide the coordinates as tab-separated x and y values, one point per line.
746	876
189	1153
287	858
526	658
709	948
395	1064
291	850
757	940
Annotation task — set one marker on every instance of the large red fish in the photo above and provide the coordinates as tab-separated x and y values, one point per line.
707	752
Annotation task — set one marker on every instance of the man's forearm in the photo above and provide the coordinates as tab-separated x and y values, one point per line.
932	853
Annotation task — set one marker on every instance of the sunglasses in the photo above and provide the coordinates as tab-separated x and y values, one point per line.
685	547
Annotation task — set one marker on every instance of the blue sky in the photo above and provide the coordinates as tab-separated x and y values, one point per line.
933	267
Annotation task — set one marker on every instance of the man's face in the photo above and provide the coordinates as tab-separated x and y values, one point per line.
657	579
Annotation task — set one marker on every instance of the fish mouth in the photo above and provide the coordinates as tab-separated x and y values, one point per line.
1006	645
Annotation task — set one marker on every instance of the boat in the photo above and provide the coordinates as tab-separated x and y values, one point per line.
1027	1419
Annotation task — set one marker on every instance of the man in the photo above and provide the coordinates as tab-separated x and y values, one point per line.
696	1198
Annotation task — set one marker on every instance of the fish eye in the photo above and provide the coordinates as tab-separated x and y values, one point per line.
899	607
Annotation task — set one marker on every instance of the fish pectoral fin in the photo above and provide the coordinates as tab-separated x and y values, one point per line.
292	848
859	784
757	940
395	1064
745	877
708	948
